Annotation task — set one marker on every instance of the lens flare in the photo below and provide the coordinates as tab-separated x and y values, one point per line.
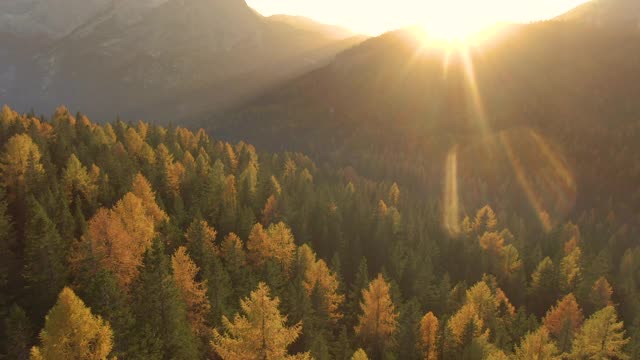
543	176
451	219
525	183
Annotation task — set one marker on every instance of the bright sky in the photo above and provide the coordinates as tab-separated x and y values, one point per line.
374	17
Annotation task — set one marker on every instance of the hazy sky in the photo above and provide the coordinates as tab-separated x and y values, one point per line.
376	16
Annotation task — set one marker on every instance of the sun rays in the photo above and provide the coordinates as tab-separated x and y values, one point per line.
538	168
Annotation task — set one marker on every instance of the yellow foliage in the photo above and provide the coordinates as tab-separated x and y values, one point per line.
359	355
458	322
378	322
77	178
317	275
537	345
71	331
275	243
20	152
260	333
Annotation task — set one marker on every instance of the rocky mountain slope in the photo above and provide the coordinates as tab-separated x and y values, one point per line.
188	53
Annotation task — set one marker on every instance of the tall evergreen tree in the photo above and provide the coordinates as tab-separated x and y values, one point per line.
45	269
17	334
162	326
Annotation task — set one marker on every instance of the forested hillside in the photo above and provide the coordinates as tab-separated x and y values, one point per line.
535	118
176	58
144	242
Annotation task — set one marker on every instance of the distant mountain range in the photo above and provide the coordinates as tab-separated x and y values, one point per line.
184	60
607	13
394	106
159	59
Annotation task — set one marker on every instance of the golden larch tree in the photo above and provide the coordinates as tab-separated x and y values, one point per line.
71	331
359	355
282	244
459	322
378	322
118	238
20	152
428	339
193	293
318	276
485	220
537	345
142	189
482	300
76	178
601	337
571	269
260	333
276	243
492	243
563	320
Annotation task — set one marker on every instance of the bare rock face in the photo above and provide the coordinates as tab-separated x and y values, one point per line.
51	18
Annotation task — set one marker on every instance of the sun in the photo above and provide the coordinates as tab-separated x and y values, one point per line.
460	31
456	22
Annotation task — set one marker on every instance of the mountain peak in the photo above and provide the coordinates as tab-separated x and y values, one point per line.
610	13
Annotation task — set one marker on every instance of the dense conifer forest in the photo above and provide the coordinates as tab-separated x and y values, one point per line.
136	241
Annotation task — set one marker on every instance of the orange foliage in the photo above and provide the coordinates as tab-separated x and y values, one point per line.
567	312
142	189
485	220
428	339
492	243
118	238
269	210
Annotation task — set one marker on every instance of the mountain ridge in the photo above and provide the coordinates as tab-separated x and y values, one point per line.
175	48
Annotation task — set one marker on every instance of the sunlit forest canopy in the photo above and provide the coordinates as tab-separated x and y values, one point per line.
141	241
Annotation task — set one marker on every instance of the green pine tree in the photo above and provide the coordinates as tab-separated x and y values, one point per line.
45	269
162	330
